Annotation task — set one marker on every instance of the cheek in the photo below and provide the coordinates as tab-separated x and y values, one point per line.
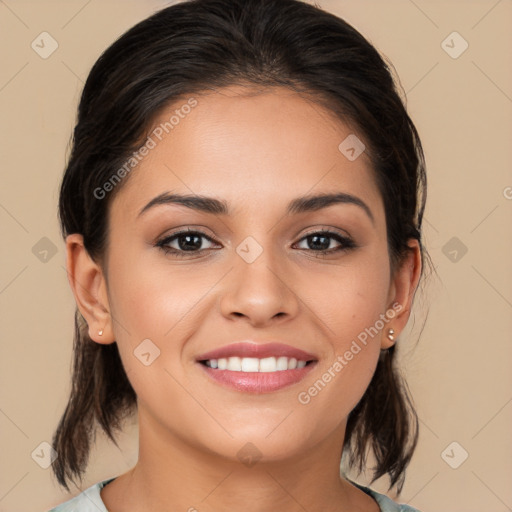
349	299
153	299
351	306
156	308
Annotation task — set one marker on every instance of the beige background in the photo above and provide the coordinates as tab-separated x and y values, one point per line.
459	372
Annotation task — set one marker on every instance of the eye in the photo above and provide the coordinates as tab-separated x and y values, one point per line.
321	242
188	241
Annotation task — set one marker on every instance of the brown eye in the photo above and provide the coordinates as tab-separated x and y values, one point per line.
321	241
188	241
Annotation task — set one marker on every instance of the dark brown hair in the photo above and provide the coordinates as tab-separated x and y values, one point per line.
200	45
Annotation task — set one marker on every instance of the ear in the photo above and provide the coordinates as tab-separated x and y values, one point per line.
401	292
89	288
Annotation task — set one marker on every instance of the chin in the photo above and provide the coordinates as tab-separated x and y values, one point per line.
251	445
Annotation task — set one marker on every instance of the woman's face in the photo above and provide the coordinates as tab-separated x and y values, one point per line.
256	273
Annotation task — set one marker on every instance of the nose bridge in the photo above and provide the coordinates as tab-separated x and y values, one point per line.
258	286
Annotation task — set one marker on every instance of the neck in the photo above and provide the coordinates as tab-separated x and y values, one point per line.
171	475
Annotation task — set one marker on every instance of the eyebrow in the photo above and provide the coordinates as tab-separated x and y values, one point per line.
298	205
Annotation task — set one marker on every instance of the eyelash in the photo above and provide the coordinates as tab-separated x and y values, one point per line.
346	243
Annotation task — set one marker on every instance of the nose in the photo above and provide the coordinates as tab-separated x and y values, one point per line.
260	292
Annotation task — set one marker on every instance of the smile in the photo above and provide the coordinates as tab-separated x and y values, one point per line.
257	366
254	364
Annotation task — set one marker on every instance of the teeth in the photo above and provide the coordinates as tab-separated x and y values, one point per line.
234	364
250	364
282	363
253	364
268	364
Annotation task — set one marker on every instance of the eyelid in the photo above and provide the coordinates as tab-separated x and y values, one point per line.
346	241
184	231
331	229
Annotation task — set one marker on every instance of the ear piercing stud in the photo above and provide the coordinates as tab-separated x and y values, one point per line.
100	333
390	334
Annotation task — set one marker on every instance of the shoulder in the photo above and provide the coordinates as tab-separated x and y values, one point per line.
87	501
385	503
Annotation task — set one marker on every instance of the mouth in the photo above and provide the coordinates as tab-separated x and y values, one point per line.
257	368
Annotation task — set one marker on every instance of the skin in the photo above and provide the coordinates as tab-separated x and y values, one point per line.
257	150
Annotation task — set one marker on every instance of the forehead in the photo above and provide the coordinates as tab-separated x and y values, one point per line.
242	144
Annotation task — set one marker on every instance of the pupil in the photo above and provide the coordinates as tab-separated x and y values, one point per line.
323	246
188	246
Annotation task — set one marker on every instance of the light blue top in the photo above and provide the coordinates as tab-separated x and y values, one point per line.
90	501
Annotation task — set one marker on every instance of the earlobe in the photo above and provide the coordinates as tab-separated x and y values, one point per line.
402	290
388	339
88	285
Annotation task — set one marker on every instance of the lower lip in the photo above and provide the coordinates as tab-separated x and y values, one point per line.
258	382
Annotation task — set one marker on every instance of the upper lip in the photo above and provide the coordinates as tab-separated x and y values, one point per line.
259	350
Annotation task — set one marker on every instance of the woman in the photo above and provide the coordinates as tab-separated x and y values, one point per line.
242	212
